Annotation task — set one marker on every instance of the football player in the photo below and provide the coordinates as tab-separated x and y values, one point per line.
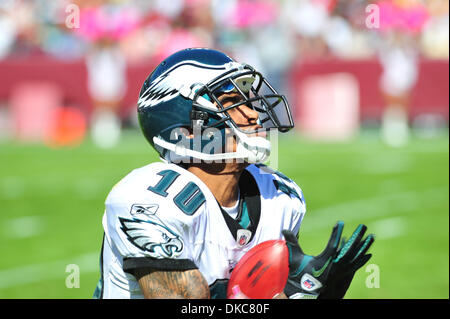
176	228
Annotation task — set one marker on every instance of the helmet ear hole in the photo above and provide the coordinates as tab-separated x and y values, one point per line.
199	115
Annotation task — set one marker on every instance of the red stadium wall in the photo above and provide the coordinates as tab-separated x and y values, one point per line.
71	77
430	95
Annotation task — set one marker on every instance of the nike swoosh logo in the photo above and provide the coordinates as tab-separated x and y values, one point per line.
317	273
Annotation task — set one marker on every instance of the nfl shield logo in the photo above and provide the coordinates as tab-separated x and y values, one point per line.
243	237
308	284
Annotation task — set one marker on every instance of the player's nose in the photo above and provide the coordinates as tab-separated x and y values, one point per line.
251	115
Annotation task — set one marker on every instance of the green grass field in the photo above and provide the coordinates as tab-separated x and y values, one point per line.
52	206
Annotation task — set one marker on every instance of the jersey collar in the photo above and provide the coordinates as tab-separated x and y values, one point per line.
249	208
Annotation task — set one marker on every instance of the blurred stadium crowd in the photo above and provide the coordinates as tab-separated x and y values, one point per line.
270	35
260	30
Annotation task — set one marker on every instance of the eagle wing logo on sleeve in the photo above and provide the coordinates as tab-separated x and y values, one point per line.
152	237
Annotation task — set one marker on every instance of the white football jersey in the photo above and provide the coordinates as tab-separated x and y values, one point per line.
164	217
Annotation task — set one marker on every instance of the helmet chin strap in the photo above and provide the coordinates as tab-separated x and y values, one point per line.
250	149
254	149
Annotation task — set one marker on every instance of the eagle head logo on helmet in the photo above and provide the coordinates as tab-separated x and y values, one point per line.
181	95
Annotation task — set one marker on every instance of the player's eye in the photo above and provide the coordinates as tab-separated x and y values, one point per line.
230	100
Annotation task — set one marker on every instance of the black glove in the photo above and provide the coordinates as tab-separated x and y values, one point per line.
351	257
308	275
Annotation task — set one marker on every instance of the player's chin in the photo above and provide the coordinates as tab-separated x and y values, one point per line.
261	133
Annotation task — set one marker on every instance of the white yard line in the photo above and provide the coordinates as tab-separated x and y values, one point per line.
378	207
390	227
23	227
87	263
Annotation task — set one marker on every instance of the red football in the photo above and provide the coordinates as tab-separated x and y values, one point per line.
261	273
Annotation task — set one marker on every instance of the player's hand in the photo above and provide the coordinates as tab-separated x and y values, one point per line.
351	257
308	275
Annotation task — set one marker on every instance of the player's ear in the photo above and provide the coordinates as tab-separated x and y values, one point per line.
188	132
191	132
182	132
